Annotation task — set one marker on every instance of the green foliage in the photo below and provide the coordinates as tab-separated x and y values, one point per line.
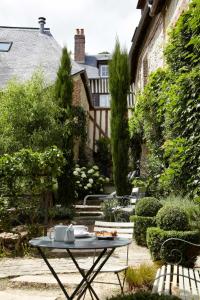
172	218
140	228
183	51
141	276
147	207
167	110
103	156
191	208
25	178
119	87
139	182
144	296
63	95
28	116
183	252
59	212
88	181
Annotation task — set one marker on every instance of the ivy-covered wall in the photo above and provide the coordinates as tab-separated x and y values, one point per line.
167	115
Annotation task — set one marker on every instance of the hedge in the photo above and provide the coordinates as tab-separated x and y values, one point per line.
144	296
140	228
184	254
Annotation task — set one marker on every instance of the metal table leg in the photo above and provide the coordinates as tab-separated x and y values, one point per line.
96	272
87	277
54	273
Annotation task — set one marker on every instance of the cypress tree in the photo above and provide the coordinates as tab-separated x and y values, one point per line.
63	95
119	88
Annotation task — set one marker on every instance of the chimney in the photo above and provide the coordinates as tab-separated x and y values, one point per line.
42	22
79	46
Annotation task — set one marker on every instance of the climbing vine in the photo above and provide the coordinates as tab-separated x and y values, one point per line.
168	111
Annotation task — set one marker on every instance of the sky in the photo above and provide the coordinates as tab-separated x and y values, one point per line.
102	20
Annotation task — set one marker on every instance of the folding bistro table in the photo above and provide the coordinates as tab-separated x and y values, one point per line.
106	248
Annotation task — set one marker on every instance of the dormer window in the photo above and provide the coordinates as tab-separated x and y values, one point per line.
104	70
5	46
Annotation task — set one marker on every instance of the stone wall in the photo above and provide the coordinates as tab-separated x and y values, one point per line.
151	53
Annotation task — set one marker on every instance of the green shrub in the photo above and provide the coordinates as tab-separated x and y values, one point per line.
144	296
191	208
185	253
147	207
140	228
172	218
141	276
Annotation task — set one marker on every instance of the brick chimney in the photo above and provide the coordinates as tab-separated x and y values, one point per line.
79	46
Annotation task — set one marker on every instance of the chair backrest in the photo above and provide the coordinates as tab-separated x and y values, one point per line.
124	229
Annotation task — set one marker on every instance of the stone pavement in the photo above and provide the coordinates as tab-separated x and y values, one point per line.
30	279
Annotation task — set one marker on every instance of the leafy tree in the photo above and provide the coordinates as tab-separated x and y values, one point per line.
119	87
28	116
63	95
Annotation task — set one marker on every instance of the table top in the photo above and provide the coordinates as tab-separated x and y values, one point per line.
81	243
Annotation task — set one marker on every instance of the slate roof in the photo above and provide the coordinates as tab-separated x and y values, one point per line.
91	62
30	50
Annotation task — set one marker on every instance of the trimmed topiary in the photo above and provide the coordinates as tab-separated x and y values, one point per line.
172	218
144	296
173	251
147	207
140	228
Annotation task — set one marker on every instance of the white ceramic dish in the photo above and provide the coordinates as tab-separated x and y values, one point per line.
82	235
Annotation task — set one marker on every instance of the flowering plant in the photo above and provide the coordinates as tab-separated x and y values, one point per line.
88	180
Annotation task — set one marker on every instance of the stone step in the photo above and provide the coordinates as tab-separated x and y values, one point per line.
89	213
87	207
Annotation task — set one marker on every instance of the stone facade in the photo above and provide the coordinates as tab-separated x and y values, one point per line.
151	51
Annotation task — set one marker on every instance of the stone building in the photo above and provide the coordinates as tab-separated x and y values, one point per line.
151	35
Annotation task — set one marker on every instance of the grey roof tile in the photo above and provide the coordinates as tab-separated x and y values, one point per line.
30	51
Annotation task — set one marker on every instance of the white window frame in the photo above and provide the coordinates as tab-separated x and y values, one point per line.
104	71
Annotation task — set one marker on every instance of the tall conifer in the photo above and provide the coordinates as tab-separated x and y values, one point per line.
63	94
119	88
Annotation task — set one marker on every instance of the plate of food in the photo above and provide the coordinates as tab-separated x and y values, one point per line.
106	235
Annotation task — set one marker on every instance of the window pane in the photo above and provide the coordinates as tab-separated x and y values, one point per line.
104	71
104	101
4	47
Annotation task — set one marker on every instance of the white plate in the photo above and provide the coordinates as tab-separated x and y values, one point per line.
82	235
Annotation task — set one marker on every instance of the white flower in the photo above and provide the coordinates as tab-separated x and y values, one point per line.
85	187
90	171
75	173
95	167
77	169
101	190
78	181
91	180
89	185
83	175
96	174
107	179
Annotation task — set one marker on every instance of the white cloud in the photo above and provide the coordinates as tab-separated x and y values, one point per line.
102	20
